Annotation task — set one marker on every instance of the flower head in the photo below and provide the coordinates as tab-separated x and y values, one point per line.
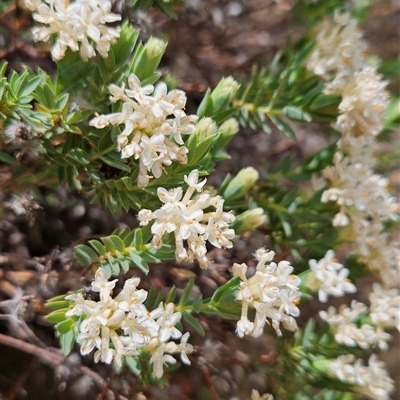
185	217
154	122
79	25
272	291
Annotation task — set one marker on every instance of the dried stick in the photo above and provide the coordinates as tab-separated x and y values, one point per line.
209	382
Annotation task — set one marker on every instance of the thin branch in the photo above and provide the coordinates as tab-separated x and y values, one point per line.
52	359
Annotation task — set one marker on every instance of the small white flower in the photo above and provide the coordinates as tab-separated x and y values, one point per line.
158	359
272	291
102	285
331	277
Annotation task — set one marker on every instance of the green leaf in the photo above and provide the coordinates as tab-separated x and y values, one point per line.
193	322
234	282
98	246
57	316
78	157
85	255
67	341
149	257
113	243
205	103
296	114
283	126
65	326
6	158
139	262
114	265
326	103
171	295
124	264
202	147
58	304
129	238
28	88
198	302
134	365
186	292
138	238
167	252
62	101
56	298
114	160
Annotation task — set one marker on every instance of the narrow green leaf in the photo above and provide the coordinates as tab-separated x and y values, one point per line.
117	243
67	341
134	365
139	262
62	101
129	238
150	296
79	156
149	257
28	88
114	265
98	246
65	326
171	295
124	264
113	204
283	126
186	292
222	289
56	298
85	255
198	302
115	162
158	299
138	238
58	304
57	316
296	114
204	105
193	322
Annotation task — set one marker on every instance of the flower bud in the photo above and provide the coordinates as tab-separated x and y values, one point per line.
206	127
241	183
229	128
226	86
155	47
249	220
227	131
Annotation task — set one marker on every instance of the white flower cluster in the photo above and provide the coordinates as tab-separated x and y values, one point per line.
184	216
154	124
272	291
372	381
122	326
364	100
349	333
339	47
329	277
79	25
385	307
363	196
